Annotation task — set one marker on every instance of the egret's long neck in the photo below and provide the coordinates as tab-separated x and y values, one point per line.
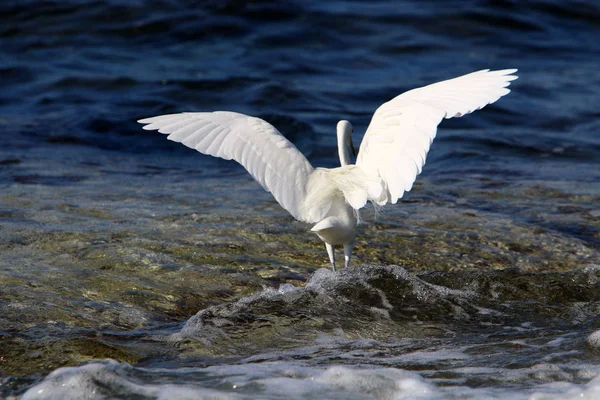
344	153
343	148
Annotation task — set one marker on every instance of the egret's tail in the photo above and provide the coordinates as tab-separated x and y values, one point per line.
351	182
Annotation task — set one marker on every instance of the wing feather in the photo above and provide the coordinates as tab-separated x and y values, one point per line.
266	154
401	131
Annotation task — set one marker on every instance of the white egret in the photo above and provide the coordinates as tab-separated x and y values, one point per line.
391	155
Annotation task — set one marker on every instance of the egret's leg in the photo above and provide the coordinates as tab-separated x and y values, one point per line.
348	253
331	255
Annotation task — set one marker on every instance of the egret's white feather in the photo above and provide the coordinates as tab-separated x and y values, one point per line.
398	138
266	154
349	182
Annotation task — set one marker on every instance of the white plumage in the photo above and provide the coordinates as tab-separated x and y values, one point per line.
398	138
392	153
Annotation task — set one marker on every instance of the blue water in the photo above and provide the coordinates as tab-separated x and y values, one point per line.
81	72
76	75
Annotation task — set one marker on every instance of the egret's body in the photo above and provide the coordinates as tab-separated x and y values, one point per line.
391	155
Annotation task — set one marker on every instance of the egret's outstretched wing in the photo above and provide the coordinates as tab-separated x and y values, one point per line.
266	154
398	138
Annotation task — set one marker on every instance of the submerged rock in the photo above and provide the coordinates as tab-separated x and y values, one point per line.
389	303
363	332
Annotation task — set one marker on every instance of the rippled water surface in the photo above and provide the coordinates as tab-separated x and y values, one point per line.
132	267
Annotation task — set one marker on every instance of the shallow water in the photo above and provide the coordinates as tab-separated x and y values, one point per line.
369	332
149	270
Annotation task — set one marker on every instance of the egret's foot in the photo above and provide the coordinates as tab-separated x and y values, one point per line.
331	254
348	253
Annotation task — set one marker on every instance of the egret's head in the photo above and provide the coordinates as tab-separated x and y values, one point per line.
344	135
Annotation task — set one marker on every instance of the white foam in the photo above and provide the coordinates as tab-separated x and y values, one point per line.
381	383
110	379
105	380
286	288
568	391
292	381
594	339
296	380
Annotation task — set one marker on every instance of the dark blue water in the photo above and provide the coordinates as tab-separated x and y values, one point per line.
76	75
80	72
